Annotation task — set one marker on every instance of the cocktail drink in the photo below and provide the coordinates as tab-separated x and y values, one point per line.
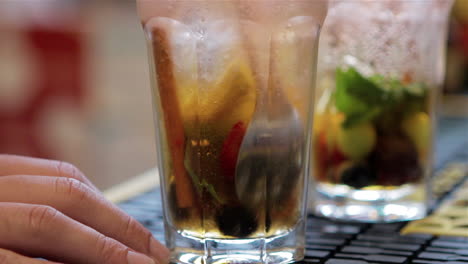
233	86
374	118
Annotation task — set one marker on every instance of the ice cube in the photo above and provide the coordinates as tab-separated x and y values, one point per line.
218	45
182	48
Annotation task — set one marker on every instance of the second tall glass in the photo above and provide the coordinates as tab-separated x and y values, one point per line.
380	71
233	85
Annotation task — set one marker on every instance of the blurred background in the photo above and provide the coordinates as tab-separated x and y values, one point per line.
74	84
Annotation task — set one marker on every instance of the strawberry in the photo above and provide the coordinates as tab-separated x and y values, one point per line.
321	156
326	157
230	150
337	157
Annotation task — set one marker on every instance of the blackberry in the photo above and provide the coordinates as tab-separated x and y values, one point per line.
358	176
236	221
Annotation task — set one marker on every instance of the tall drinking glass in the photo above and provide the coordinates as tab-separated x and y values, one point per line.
233	85
380	70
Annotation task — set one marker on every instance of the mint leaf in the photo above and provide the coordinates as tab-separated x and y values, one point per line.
347	103
200	185
191	173
416	89
359	87
357	118
393	89
364	99
212	191
360	99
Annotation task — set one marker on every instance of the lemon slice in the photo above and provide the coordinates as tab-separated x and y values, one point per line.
417	127
228	100
231	99
329	123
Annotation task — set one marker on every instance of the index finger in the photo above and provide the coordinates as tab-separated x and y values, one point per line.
19	165
10	257
37	230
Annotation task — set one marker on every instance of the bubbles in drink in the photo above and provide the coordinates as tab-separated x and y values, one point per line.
214	65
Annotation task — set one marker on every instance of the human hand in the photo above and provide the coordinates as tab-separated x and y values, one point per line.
49	209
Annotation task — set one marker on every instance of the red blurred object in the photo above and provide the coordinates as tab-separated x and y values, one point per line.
461	41
230	150
59	57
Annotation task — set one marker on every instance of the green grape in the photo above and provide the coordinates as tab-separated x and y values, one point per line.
357	141
417	127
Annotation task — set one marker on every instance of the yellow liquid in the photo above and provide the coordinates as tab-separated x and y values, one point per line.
399	154
198	124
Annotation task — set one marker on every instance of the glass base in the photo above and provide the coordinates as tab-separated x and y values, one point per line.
404	203
285	248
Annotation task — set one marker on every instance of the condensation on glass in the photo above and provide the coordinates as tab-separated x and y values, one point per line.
379	72
233	85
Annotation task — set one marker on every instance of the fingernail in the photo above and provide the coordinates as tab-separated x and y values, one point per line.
137	258
157	250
